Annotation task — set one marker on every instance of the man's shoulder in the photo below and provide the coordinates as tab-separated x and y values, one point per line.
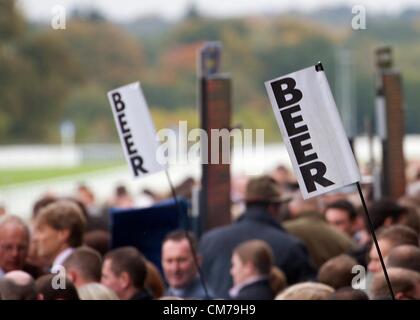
219	232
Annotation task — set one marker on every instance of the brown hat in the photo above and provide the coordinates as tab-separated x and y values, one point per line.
264	189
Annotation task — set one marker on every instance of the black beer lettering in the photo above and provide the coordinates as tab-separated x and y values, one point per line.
290	122
130	144
300	149
123	123
136	160
137	165
287	97
309	178
289	89
118	103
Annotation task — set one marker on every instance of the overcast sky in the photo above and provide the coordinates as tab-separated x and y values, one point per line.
173	9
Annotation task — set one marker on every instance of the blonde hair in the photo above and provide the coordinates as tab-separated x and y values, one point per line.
96	291
306	291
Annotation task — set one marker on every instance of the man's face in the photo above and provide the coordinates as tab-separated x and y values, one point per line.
48	241
374	262
14	243
178	263
340	219
110	279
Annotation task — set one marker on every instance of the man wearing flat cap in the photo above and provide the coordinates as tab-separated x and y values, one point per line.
263	201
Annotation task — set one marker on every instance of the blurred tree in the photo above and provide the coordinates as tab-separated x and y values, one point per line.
107	54
36	73
11	21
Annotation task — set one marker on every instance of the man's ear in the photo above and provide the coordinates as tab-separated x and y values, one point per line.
71	274
64	235
124	279
388	221
399	296
249	268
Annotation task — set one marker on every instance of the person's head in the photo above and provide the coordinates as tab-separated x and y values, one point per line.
98	240
298	205
124	271
306	291
96	291
281	174
250	259
264	192
337	271
85	195
14	243
389	238
17	285
41	203
405	285
58	226
83	266
405	256
48	288
348	293
386	212
342	215
178	262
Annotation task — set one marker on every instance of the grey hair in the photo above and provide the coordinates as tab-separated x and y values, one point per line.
15	220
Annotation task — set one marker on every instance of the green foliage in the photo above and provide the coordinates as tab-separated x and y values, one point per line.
14	176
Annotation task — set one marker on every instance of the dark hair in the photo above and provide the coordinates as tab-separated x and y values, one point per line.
337	271
348	293
130	260
399	235
121	190
402	281
179	235
98	240
344	205
405	256
41	203
87	261
43	285
380	210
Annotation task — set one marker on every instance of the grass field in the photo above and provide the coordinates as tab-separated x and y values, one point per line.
13	176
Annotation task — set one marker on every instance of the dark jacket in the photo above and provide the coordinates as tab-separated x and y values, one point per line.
142	295
259	290
216	247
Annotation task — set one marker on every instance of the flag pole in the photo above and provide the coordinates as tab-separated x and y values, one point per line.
187	235
372	231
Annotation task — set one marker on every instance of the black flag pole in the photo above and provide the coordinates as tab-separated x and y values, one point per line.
372	232
187	235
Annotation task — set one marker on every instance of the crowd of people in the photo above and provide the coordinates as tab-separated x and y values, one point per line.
280	247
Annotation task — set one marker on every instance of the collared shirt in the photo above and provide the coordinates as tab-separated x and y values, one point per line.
192	290
234	291
61	257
